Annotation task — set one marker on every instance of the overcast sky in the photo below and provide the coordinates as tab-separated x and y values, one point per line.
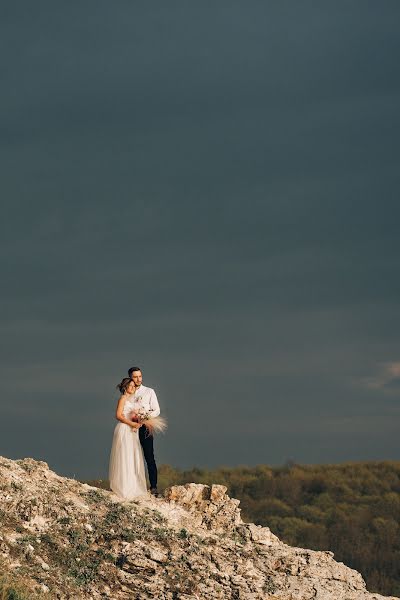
210	191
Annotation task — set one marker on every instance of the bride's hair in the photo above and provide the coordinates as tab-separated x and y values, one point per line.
123	385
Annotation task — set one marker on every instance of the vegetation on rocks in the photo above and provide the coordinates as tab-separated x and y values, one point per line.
14	587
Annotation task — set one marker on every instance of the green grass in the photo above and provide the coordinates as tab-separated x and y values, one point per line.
14	587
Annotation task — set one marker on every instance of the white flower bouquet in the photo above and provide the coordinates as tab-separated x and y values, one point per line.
152	424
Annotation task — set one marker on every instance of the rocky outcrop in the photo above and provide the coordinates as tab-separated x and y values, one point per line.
70	540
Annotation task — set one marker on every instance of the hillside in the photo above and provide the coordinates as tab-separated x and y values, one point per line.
64	539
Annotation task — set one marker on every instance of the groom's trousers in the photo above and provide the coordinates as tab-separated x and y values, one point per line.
147	442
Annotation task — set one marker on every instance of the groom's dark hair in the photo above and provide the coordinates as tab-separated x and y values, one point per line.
133	369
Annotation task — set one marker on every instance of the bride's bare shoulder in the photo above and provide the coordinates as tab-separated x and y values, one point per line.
122	399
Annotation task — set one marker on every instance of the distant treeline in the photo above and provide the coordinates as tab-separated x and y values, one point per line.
351	508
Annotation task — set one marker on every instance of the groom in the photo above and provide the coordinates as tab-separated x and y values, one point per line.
145	398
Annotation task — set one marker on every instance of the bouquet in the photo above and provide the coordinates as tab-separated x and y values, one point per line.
152	424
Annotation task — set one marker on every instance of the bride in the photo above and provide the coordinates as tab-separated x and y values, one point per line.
126	471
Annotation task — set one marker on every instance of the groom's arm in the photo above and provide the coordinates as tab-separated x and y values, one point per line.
154	406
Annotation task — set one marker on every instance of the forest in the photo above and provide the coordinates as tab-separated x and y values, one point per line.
352	509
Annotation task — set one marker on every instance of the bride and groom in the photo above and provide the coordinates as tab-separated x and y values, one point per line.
132	439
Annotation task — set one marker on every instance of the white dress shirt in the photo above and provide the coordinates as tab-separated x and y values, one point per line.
145	398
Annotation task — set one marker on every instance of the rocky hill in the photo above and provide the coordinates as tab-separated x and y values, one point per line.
63	539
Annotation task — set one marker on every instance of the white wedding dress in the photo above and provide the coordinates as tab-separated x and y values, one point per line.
126	471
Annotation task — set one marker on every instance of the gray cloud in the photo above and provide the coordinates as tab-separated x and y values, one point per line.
210	191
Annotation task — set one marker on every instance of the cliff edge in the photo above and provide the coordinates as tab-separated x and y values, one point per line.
68	540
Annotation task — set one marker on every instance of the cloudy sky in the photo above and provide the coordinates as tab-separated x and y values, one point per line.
209	190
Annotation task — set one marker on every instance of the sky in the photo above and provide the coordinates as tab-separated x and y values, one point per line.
209	191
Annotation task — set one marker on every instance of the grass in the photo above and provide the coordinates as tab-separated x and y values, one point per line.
79	560
16	588
93	496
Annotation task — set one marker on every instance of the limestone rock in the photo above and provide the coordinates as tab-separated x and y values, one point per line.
210	507
68	540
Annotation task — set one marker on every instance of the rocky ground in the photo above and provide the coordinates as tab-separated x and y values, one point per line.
63	539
